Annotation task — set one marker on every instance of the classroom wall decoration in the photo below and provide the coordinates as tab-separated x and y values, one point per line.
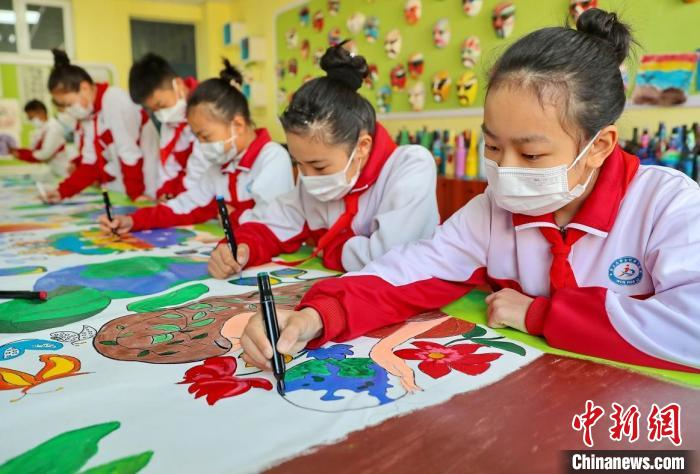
451	37
131	327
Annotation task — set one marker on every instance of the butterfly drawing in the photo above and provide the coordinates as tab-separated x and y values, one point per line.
55	367
75	338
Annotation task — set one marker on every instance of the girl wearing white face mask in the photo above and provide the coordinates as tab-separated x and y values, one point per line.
580	243
357	193
118	143
47	143
241	162
154	84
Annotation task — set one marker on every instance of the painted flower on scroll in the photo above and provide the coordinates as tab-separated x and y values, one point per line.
438	360
214	378
55	367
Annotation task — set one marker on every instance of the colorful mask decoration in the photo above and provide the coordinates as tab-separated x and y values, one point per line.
441	33
416	96
318	21
292	38
355	22
384	99
398	77
280	70
415	65
292	67
371	29
392	43
467	87
318	55
412	11
472	7
471	51
503	19
305	49
441	86
373	76
304	16
576	7
333	7
334	38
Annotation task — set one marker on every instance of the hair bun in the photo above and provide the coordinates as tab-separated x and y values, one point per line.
60	58
606	26
340	65
231	75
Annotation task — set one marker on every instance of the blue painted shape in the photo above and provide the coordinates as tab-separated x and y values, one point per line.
125	278
10	271
15	349
376	384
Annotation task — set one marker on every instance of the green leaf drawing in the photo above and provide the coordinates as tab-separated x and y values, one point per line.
203	322
158	338
127	465
478	331
65	305
109	343
166	327
199	315
143	353
200	336
503	345
177	297
171	316
68	452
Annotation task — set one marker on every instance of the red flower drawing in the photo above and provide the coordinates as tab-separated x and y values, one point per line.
437	360
214	378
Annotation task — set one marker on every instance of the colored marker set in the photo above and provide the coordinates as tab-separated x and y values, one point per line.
456	154
679	149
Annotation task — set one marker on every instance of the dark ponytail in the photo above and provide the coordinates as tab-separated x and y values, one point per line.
66	77
330	105
222	95
579	68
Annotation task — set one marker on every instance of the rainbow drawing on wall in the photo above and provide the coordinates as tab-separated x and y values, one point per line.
664	79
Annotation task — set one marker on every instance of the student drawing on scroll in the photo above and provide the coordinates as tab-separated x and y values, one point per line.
580	243
357	194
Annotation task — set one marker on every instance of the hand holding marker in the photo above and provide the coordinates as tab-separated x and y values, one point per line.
108	208
269	316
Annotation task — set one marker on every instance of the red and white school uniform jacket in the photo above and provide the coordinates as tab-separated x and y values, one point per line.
176	149
256	177
392	202
118	147
621	281
46	143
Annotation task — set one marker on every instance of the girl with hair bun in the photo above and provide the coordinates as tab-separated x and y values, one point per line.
358	194
118	143
580	243
242	163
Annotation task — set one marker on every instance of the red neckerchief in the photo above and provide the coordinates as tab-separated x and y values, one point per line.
598	212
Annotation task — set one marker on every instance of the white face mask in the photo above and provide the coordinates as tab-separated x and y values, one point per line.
534	191
79	112
37	122
174	114
330	187
214	153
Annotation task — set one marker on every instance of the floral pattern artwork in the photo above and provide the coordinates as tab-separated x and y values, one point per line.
438	360
215	379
